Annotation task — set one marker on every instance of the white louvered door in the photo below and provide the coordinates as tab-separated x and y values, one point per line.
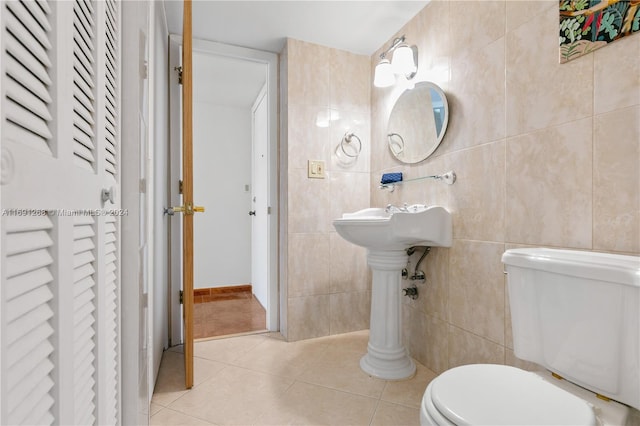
27	344
59	298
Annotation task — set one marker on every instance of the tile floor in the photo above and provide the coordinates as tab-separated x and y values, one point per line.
260	379
236	313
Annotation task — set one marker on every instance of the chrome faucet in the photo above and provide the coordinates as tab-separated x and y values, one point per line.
395	209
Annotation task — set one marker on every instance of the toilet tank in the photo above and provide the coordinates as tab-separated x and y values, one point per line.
577	313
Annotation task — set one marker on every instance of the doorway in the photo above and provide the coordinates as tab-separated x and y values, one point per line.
238	232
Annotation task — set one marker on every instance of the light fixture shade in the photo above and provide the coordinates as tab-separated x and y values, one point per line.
383	76
403	63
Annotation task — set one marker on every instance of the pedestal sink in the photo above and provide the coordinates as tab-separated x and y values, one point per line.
387	233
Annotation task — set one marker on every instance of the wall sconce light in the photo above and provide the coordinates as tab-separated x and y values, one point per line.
404	62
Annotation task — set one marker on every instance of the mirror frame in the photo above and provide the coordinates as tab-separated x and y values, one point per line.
436	142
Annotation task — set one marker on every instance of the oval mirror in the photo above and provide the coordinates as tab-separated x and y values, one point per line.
417	122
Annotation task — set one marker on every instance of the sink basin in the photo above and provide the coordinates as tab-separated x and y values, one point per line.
387	233
379	229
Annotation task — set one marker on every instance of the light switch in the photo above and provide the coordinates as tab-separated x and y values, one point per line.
316	169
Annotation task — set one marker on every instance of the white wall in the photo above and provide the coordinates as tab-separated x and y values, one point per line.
221	169
158	72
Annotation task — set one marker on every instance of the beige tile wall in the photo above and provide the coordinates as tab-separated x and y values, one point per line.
325	282
545	154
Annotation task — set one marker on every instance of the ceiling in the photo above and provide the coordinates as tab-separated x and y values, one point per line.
360	27
356	26
226	81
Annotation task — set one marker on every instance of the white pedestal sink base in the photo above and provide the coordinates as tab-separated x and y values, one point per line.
399	368
386	356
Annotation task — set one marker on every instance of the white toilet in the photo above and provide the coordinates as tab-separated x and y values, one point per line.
575	313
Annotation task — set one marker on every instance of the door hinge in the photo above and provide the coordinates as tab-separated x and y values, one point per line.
144	70
181	298
180	186
179	70
269	210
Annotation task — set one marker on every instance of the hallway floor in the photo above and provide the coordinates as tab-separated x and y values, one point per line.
260	379
237	313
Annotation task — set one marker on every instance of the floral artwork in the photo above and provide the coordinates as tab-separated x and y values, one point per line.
587	25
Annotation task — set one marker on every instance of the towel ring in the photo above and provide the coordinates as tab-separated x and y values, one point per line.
399	144
346	141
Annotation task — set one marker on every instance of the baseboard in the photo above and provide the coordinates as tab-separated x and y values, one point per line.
203	295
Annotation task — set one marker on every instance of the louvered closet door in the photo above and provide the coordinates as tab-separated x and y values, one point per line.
59	298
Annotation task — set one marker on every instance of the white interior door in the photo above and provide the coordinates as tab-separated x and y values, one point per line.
60	292
260	199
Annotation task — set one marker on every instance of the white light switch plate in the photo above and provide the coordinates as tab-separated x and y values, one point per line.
316	169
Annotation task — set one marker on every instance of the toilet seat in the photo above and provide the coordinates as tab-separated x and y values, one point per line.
488	394
429	414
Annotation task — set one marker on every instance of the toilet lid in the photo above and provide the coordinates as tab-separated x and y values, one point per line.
487	394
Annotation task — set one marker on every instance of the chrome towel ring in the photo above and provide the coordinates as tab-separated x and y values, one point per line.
349	147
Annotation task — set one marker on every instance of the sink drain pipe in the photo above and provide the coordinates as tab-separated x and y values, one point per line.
412	291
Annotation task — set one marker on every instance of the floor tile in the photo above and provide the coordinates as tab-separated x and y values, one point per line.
261	379
356	341
203	369
394	414
233	396
409	392
170	417
340	369
154	408
231	315
280	358
226	349
306	404
170	382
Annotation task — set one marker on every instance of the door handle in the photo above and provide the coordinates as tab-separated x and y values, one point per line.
108	195
252	213
186	209
172	210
